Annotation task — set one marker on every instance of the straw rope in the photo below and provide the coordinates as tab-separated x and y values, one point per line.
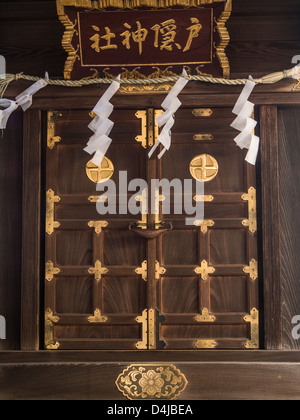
268	79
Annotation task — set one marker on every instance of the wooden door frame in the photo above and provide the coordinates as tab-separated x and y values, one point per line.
267	100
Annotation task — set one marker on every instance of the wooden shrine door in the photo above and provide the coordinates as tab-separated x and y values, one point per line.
150	281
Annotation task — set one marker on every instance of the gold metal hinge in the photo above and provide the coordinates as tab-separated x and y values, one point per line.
97	318
51	138
51	271
143	137
204	225
50	320
205	317
252	270
203	112
143	319
205	344
157	113
204	270
253	318
159	271
98	271
51	199
252	221
143	271
98	225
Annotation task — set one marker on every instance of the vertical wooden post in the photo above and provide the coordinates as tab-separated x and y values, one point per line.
270	226
31	231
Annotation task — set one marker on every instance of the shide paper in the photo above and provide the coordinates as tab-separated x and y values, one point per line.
101	125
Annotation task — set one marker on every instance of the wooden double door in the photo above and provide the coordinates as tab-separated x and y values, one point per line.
150	281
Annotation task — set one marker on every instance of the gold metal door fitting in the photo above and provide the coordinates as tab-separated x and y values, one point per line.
204	225
97	318
50	320
51	199
205	344
51	271
204	168
143	199
203	137
98	225
52	139
98	271
143	319
252	269
204	198
251	222
143	271
150	321
203	112
142	138
204	271
102	173
206	317
253	319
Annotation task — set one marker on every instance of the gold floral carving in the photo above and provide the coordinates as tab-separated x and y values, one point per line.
151	382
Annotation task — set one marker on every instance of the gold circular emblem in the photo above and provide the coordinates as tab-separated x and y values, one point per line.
204	168
100	173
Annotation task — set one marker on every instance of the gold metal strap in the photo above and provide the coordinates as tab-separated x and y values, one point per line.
51	199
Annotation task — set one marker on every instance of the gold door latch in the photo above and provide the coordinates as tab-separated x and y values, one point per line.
253	319
150	321
50	320
149	127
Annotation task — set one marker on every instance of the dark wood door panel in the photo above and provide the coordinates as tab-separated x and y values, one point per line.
207	293
193	287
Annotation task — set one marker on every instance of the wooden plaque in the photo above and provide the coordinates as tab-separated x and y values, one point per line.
145	38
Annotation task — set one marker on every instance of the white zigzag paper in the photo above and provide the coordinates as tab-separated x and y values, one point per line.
246	124
24	100
101	125
171	105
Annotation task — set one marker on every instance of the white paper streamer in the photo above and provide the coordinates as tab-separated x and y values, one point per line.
171	105
24	100
246	124
101	125
9	108
296	72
